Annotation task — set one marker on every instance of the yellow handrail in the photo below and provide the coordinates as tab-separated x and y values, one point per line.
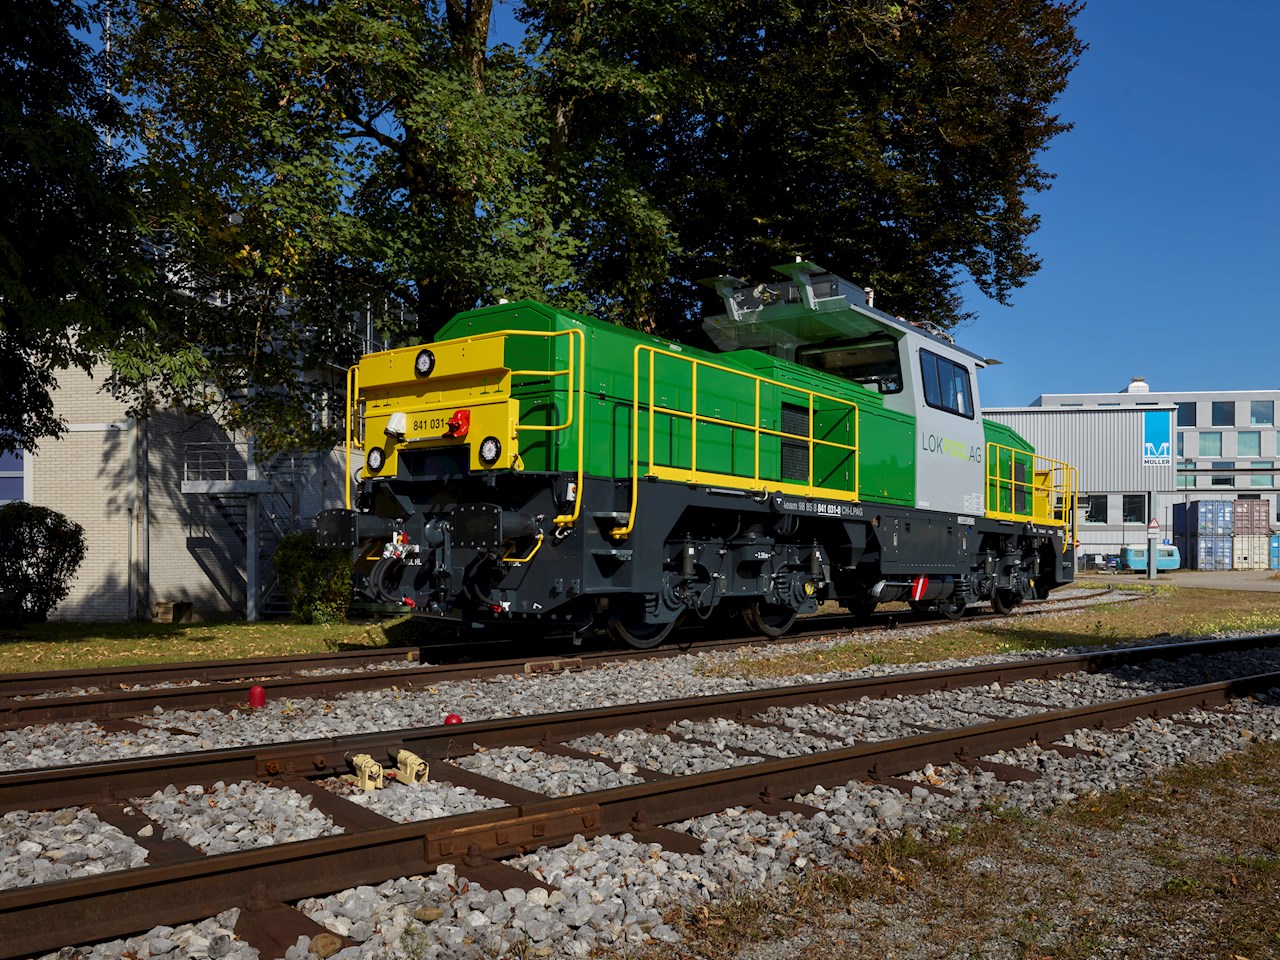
693	474
537	545
353	385
1050	489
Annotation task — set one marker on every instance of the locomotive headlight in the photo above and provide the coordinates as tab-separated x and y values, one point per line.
376	459
424	363
490	451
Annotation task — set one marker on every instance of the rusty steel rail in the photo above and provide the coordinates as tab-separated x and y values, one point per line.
45	918
203	671
52	787
226	683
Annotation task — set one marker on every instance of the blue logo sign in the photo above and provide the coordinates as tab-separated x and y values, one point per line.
1157	438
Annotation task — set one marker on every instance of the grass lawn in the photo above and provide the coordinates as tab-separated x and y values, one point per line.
65	646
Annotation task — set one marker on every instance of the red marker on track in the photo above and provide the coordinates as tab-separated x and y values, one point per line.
452	719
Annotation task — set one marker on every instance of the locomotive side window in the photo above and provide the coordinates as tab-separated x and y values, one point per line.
872	362
946	384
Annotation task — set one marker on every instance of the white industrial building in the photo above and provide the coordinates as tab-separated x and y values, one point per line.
1182	446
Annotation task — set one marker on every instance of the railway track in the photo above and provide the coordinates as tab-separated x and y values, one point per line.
112	696
181	884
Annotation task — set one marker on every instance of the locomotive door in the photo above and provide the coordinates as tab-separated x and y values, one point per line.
950	440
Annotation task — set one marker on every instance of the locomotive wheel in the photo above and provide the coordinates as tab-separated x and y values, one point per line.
1003	602
771	619
1042	588
627	625
861	608
951	609
920	606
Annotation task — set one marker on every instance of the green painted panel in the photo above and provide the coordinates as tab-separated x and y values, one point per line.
885	467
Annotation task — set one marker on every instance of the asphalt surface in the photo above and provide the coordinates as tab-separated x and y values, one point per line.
1256	581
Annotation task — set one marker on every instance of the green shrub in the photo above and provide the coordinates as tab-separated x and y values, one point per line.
316	580
40	551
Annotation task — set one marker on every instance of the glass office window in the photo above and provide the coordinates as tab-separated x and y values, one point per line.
1262	413
1186	480
10	476
1135	508
1182	443
1211	443
1223	480
1095	508
1187	414
1261	479
1249	443
1223	413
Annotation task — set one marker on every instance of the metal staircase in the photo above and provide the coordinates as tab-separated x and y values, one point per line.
259	502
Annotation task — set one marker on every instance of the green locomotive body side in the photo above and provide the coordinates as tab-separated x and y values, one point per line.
883	468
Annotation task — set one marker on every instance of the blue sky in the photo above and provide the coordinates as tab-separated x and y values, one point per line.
1160	236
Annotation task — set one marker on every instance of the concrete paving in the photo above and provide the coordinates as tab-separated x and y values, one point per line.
1257	581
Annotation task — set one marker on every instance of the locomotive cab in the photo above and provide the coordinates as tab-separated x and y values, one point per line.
825	323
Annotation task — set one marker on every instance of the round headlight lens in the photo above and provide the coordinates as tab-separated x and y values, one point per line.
376	459
424	363
490	451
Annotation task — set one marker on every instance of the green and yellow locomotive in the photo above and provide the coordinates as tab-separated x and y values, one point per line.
542	469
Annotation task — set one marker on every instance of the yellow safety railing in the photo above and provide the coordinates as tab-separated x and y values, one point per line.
694	474
353	388
1048	489
575	373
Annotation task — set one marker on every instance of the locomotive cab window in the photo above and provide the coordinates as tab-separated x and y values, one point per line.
872	362
946	384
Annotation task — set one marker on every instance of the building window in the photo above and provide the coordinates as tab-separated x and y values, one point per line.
1261	479
1228	480
1095	505
946	384
1249	443
1211	443
1182	444
1262	413
1187	414
1186	480
10	477
1135	508
1223	413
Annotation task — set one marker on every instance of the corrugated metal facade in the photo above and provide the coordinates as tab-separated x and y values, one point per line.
1105	443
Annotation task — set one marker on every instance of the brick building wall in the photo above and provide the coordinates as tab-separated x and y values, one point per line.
195	542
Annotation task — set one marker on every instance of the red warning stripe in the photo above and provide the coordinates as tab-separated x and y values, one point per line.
918	587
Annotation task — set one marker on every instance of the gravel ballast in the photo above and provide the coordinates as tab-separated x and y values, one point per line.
612	892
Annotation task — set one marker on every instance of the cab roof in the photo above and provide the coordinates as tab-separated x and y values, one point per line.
810	306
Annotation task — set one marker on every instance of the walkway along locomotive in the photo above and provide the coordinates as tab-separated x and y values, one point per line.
542	469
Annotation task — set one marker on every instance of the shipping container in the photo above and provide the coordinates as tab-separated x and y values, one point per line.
1250	552
1200	518
1206	553
1252	517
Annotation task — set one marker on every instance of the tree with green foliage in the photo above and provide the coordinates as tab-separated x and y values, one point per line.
304	163
895	143
73	280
